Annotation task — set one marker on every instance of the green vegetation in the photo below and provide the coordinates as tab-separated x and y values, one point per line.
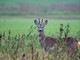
37	2
25	44
21	25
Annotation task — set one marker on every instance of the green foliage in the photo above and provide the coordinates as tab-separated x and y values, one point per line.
19	39
19	44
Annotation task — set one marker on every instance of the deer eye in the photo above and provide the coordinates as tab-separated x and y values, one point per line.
38	27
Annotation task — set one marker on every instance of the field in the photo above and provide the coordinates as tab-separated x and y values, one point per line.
18	38
21	25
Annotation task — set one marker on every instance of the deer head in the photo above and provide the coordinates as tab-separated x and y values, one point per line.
40	25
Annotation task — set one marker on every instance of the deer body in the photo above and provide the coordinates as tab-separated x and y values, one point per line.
47	43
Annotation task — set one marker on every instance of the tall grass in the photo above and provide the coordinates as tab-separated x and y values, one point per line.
27	47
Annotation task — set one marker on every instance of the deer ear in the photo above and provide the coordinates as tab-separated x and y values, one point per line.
46	21
35	21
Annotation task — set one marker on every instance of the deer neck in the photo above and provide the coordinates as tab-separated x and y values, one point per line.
41	36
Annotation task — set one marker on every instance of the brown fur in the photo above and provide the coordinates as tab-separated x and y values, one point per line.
71	44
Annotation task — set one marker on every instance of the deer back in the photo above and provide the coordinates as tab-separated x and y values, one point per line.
71	44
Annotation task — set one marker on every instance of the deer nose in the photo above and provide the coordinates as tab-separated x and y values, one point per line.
40	30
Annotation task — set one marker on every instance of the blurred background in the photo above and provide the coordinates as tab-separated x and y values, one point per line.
31	8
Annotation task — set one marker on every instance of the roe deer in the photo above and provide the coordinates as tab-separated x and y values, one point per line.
47	43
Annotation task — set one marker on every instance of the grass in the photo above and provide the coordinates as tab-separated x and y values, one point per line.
21	25
21	42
